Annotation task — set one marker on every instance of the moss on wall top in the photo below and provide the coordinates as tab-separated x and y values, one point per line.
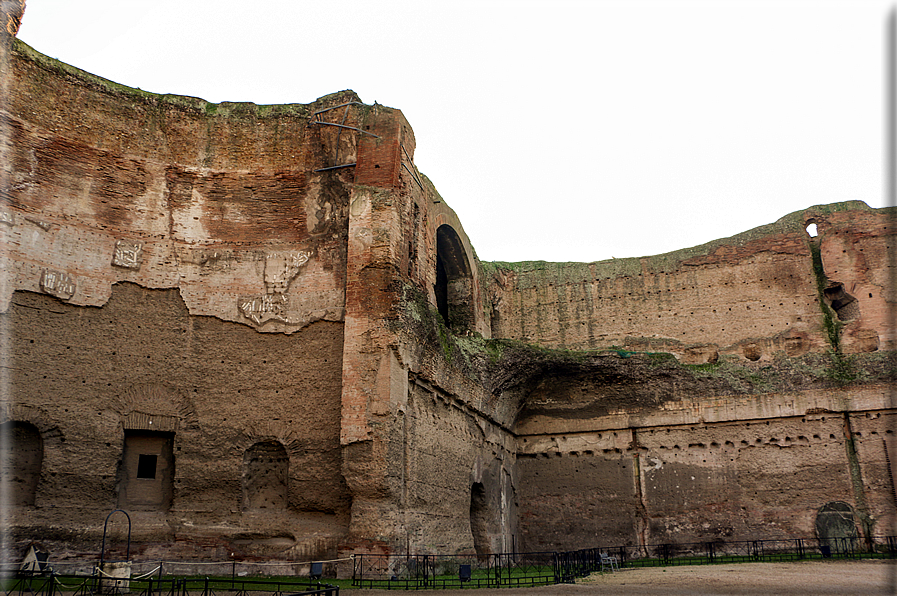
663	263
237	110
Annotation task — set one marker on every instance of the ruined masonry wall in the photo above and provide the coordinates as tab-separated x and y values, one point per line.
443	450
751	295
106	184
761	479
142	363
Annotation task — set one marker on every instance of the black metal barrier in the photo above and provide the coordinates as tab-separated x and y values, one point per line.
410	572
433	571
18	584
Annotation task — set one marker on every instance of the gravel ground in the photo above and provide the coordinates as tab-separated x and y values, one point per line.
809	578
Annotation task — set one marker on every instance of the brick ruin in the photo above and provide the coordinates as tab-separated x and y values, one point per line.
263	332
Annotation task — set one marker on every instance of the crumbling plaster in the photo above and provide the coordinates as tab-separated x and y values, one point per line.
203	272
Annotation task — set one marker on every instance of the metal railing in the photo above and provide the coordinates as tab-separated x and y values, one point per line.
582	562
24	584
411	572
433	571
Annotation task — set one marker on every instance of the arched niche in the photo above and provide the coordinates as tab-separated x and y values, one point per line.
480	519
266	474
21	459
454	281
836	521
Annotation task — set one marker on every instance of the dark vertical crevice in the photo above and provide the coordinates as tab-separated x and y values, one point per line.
856	481
641	518
884	444
841	368
829	318
479	519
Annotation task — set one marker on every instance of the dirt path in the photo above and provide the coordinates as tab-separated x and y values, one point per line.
810	578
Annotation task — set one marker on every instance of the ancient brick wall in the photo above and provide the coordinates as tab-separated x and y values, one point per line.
858	252
244	317
753	439
444	450
105	184
751	295
733	480
146	241
141	364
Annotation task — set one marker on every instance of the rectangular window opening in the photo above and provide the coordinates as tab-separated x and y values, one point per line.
146	466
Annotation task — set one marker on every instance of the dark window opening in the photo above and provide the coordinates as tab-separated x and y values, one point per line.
146	474
454	281
845	306
22	456
146	466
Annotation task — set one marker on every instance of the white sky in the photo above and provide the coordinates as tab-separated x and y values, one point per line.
562	130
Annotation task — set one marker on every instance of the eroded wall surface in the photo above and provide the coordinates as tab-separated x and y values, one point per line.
268	335
205	306
89	379
173	302
734	480
751	295
729	391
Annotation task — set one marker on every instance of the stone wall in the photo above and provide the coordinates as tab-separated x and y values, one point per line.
268	336
738	480
105	184
142	366
755	428
174	271
751	295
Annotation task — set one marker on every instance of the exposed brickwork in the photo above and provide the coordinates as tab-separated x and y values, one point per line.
191	275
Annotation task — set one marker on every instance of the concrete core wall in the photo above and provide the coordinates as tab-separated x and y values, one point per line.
140	376
269	337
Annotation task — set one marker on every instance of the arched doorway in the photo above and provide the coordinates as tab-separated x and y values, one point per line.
22	458
480	518
266	474
835	522
454	281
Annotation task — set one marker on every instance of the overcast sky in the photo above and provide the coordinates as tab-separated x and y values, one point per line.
563	131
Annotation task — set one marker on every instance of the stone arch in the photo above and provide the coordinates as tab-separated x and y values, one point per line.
22	457
38	417
835	520
265	478
454	281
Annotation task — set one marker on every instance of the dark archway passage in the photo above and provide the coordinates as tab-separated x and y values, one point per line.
834	521
454	281
479	519
22	460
